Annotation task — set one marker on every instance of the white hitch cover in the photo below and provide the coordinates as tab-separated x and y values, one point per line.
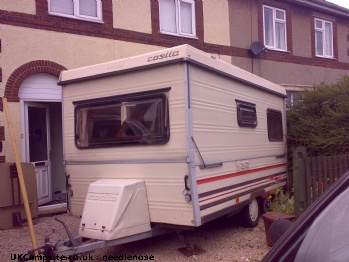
115	208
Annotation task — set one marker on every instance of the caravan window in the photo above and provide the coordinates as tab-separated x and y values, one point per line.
274	119
140	118
246	114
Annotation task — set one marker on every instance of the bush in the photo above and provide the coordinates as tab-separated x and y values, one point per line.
319	120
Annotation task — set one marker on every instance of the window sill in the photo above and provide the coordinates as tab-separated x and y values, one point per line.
324	57
178	35
278	50
77	18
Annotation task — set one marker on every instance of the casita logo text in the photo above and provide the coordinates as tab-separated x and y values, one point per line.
102	197
163	56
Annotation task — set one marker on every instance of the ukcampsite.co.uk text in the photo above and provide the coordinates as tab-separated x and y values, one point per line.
122	257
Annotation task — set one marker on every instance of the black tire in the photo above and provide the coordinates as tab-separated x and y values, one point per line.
251	213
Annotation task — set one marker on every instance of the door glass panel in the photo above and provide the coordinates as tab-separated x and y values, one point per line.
37	134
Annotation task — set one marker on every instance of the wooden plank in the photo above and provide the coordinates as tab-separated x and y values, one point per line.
20	176
308	180
330	170
335	168
340	164
299	180
345	163
314	177
324	173
320	181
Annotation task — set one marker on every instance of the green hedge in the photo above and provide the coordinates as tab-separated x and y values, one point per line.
319	120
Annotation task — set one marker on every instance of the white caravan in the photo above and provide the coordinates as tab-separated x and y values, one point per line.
172	138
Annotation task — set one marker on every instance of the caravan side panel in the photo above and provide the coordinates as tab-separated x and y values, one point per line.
162	167
250	162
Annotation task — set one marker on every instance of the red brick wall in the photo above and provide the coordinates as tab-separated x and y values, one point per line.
42	20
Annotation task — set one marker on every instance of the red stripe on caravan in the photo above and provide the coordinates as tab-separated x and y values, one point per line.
245	172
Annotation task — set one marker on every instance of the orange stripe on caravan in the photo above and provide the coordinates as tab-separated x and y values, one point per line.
216	178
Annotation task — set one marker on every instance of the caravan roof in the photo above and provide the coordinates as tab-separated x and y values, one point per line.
168	56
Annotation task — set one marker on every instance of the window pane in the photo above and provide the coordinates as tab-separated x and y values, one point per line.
88	7
246	114
319	43
318	24
280	15
132	122
268	27
62	6
280	35
274	121
186	18
328	39
37	134
168	16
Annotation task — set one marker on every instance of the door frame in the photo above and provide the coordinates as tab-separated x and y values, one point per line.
31	92
39	170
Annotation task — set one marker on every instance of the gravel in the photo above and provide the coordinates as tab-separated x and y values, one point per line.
222	240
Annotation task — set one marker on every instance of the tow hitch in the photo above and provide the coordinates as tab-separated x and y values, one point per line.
73	248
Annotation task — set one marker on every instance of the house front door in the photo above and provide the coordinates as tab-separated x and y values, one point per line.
38	147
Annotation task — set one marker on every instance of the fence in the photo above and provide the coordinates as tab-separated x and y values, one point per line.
314	175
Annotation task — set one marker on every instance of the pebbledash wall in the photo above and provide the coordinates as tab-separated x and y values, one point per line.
33	41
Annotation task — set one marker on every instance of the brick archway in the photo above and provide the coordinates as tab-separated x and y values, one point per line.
31	68
16	79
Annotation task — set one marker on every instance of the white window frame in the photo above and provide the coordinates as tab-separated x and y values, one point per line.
275	20
77	14
178	19
322	30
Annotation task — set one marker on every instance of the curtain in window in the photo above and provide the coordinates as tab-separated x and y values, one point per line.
88	7
268	27
328	39
168	16
280	33
186	18
82	129
319	43
62	6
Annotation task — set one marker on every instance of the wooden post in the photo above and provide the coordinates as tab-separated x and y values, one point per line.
299	181
315	183
308	180
325	173
20	175
330	170
319	175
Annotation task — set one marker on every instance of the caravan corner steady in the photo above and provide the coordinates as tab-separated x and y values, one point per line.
160	141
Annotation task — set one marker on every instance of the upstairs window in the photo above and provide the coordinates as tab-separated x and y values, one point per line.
323	38
274	24
274	122
79	9
140	118
177	17
246	114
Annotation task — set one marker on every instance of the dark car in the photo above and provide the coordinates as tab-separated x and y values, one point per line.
321	233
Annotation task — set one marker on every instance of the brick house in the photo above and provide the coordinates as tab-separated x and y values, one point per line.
307	42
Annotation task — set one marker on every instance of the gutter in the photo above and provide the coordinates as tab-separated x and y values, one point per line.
323	6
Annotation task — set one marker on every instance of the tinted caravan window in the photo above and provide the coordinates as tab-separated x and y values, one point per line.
246	114
274	118
140	118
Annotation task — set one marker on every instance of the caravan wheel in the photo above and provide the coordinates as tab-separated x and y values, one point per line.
250	214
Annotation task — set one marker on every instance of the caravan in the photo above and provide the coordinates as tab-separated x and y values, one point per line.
169	139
